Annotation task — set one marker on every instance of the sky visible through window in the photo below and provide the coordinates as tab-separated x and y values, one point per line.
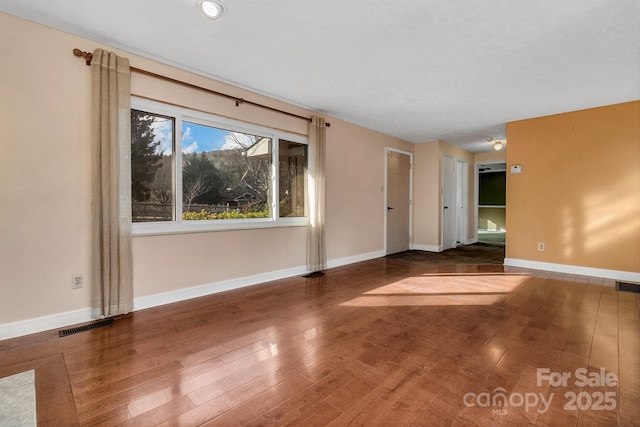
195	138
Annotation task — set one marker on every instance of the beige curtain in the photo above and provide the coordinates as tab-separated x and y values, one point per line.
112	278
316	253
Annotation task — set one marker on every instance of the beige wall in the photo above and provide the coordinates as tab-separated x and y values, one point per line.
579	191
355	189
428	192
45	174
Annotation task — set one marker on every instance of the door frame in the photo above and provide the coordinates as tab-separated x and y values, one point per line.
384	187
476	193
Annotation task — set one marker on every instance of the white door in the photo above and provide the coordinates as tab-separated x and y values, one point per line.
398	229
461	201
448	203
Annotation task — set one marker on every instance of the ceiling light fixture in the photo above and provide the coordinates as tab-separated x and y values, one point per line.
498	145
213	9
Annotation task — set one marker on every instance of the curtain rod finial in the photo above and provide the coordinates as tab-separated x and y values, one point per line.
86	55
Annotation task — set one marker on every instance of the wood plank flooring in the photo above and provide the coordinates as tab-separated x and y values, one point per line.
382	342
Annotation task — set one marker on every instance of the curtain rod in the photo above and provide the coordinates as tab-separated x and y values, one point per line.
88	56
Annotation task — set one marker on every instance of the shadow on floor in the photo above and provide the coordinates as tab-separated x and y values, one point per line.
477	254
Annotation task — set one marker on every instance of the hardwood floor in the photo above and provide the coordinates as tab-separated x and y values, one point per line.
382	342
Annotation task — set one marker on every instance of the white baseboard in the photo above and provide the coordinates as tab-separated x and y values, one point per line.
44	323
155	300
427	248
353	259
627	276
60	320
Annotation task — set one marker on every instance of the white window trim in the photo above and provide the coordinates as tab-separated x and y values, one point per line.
179	226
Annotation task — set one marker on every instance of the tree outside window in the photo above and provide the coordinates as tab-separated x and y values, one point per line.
217	174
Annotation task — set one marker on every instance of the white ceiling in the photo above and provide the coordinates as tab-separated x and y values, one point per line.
420	70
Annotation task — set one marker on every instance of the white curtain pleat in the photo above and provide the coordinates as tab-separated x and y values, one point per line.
112	278
316	251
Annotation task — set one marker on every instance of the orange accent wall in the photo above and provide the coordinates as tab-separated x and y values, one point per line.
579	190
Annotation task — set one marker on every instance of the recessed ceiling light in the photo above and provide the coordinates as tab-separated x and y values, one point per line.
213	9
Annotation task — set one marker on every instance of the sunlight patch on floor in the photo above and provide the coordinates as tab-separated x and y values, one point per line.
441	289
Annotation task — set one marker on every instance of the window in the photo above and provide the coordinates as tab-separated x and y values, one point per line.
223	174
152	138
226	174
292	178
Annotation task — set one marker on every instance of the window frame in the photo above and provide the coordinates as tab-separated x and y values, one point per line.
178	225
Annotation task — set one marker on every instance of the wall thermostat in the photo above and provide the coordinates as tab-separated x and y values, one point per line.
516	169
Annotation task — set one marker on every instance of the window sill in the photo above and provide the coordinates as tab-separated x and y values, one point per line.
162	228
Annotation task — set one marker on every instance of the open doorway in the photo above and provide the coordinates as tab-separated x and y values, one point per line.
492	204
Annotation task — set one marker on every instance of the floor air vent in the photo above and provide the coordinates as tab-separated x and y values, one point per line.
628	287
94	325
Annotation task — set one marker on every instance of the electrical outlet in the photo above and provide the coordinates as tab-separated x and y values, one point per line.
541	246
77	281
